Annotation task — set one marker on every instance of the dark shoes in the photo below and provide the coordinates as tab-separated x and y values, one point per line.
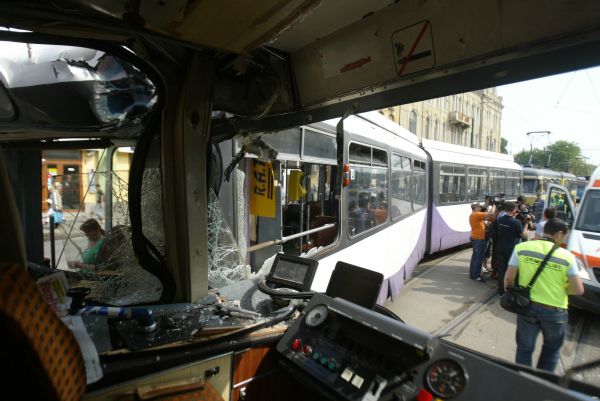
480	279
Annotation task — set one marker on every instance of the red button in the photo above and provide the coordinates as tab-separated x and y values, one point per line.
306	349
296	344
424	395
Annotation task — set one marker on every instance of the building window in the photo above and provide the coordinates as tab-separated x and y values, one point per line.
426	133
436	134
443	131
412	122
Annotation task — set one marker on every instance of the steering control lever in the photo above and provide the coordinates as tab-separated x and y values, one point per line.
143	316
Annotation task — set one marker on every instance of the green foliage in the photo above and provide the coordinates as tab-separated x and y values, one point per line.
539	157
563	156
503	144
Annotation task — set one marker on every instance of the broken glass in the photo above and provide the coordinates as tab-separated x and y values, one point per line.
225	262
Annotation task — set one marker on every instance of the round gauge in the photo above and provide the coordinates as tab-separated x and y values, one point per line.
446	378
316	316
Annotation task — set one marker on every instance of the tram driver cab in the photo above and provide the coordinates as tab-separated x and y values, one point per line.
177	108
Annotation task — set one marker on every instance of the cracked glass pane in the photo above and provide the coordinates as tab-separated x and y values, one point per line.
225	262
94	242
240	180
152	212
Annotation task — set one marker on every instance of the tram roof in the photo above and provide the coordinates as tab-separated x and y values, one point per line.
449	153
376	127
540	172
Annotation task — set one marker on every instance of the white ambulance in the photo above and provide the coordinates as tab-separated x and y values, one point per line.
584	242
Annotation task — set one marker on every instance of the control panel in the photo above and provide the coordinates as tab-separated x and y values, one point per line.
351	351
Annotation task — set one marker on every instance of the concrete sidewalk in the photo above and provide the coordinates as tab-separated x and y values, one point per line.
442	300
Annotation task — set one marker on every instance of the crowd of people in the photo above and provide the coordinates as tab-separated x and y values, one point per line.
518	238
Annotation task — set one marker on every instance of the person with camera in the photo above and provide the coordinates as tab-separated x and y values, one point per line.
509	232
525	216
478	221
549	295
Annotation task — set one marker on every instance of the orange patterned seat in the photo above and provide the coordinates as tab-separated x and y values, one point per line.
41	357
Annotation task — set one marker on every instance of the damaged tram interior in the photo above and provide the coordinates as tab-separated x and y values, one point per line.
220	150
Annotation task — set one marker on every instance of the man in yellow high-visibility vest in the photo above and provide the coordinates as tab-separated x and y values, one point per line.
549	294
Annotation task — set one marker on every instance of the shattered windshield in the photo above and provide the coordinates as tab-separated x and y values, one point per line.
67	87
87	221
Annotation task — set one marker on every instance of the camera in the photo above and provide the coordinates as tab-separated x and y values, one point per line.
497	199
525	215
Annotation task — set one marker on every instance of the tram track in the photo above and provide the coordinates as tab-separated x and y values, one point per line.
466	314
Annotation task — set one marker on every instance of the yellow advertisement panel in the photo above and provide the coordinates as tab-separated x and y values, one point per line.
262	189
295	190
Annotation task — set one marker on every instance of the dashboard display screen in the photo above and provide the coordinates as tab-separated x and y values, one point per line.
355	284
292	272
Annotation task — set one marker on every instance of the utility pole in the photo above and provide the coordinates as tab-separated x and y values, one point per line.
531	144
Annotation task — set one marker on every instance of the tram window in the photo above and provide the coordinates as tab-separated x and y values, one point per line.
101	93
379	157
530	185
400	187
477	183
367	199
319	145
513	184
497	181
452	184
419	184
99	197
286	142
119	183
359	154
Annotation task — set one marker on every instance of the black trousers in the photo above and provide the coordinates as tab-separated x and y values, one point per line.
502	258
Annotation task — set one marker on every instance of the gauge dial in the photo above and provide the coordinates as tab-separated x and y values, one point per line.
316	316
446	378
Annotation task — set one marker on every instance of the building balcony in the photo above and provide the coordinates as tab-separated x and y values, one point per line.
460	119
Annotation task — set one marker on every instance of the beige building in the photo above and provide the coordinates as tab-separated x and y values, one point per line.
467	119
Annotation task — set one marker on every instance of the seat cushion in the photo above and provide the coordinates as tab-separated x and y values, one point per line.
42	357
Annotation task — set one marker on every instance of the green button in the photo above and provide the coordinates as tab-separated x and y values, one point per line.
316	356
331	365
324	360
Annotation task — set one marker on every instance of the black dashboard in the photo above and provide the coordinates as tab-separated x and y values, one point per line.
352	353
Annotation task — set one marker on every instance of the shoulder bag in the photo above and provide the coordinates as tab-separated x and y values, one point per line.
516	298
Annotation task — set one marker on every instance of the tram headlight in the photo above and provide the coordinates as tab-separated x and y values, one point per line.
581	269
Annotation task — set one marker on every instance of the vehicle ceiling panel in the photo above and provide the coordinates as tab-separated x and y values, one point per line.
414	38
241	26
343	54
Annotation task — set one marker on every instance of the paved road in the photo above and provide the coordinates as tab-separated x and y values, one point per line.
442	300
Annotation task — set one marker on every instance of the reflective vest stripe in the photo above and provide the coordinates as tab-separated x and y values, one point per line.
541	256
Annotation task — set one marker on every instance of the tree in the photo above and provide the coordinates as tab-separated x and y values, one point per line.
564	156
503	145
539	158
561	155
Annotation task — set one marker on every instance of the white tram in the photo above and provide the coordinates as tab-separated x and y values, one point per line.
400	199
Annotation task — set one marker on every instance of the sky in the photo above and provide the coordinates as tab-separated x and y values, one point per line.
567	105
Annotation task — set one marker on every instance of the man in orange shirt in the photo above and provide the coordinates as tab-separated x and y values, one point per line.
478	218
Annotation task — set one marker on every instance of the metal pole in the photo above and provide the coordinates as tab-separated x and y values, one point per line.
52	245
